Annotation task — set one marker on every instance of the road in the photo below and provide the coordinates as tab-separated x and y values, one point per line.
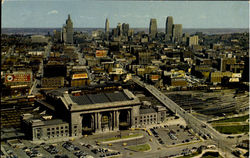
34	90
8	54
82	61
197	125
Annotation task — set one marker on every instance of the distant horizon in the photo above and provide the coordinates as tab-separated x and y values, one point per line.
115	27
44	31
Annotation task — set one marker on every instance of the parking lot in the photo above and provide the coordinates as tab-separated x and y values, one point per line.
162	137
173	135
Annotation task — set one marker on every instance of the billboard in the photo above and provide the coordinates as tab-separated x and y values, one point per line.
101	53
236	75
154	77
234	79
18	77
80	76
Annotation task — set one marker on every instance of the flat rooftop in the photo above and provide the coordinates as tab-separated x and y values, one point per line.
99	98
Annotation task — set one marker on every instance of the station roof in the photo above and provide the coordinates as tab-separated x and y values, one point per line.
99	98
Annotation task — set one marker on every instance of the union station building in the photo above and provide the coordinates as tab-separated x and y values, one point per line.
75	112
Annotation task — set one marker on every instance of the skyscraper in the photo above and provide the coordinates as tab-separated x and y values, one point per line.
69	31
119	29
125	28
107	26
169	27
64	34
152	28
177	32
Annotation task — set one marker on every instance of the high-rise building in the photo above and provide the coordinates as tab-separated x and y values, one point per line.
64	34
119	29
114	32
152	28
125	28
177	32
107	26
193	40
169	26
68	31
130	32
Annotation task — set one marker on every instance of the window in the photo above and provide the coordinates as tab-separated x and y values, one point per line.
75	126
53	128
48	133
66	127
62	127
57	128
57	132
53	133
48	129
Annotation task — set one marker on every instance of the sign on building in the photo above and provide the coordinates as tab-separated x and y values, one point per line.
18	77
101	53
80	76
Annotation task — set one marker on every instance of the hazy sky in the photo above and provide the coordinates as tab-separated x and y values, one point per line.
195	14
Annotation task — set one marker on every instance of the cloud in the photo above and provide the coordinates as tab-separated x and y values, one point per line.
203	17
53	12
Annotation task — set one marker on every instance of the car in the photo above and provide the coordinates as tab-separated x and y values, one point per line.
76	148
37	146
203	126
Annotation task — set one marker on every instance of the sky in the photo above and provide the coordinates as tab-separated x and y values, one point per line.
92	13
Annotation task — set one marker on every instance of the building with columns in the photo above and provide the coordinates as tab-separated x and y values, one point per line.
89	110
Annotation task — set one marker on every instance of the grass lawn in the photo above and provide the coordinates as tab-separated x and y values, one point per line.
211	155
232	129
142	147
206	155
189	156
123	137
235	119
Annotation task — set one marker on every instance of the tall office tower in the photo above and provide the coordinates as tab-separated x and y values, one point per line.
114	32
131	32
169	27
119	29
125	28
107	26
69	31
64	34
152	28
193	40
177	32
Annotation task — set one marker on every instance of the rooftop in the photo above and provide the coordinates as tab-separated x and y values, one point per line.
99	98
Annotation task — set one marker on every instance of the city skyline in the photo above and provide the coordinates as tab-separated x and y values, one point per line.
89	14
